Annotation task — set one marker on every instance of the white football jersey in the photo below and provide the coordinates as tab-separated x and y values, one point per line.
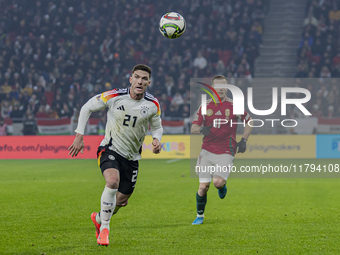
127	120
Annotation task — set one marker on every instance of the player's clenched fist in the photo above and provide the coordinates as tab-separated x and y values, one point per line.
205	130
242	146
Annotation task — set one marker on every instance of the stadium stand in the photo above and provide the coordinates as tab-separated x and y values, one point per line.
318	56
55	55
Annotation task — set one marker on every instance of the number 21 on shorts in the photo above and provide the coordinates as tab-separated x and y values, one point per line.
134	175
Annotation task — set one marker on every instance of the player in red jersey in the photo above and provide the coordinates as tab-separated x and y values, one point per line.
219	145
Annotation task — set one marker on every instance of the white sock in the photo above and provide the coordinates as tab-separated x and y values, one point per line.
107	206
98	218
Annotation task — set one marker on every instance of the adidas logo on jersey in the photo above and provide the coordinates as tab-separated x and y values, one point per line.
218	113
121	108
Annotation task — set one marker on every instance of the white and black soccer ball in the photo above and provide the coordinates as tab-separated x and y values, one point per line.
172	25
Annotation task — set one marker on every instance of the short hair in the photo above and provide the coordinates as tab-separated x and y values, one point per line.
218	77
143	68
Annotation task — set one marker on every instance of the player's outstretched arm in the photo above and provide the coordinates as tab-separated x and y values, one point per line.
157	133
77	146
94	104
247	130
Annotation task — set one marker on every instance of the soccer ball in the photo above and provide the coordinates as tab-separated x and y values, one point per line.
172	25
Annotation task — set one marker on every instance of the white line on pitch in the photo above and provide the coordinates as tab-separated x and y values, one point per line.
174	160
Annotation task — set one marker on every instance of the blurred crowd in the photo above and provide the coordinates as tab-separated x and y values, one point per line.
319	49
55	55
325	98
319	56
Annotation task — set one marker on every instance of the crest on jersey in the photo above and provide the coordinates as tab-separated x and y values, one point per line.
227	112
144	111
112	157
210	112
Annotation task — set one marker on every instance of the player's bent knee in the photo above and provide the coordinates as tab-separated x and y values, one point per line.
112	183
219	183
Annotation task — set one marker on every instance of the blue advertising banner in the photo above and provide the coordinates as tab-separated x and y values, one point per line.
328	146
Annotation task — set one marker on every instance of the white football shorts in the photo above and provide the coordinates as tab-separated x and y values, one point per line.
210	164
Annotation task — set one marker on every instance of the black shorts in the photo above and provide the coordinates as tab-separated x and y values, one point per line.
128	169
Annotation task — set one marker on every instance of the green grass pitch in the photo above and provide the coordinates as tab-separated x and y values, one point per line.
46	206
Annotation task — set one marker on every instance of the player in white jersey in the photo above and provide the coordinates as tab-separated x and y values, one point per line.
130	111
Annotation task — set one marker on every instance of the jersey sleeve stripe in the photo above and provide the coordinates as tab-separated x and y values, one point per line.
155	101
106	96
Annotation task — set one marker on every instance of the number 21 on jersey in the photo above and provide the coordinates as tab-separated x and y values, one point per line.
127	120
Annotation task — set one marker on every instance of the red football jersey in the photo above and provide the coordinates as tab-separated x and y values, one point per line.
222	139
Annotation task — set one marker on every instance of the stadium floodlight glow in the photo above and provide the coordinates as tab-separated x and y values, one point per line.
238	100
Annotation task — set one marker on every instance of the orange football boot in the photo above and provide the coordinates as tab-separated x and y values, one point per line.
96	225
103	238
